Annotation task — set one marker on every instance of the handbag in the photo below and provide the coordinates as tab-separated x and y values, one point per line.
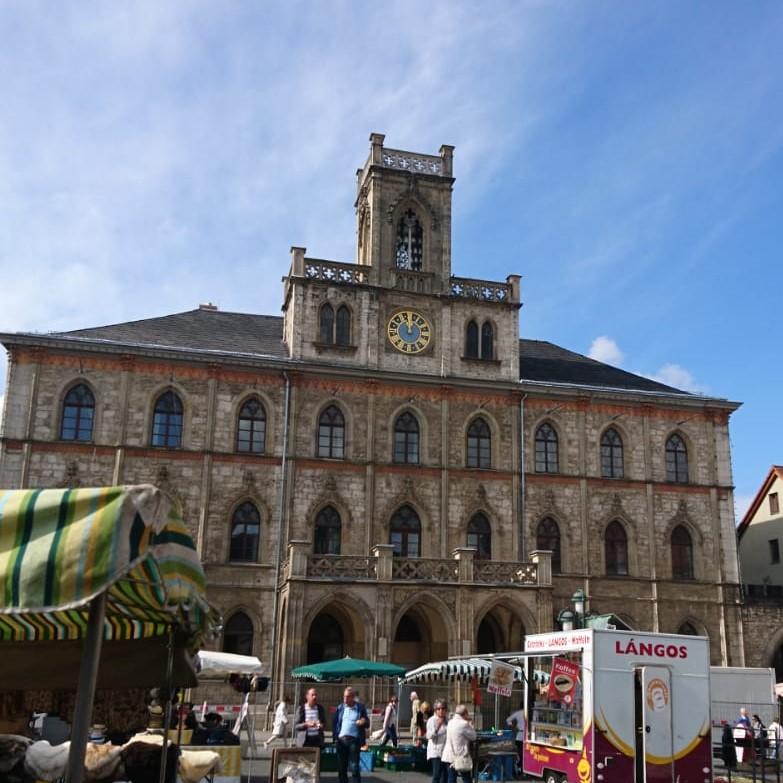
462	762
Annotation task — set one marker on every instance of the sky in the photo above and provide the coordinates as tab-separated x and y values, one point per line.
625	158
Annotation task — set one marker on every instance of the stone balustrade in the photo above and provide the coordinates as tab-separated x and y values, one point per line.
382	566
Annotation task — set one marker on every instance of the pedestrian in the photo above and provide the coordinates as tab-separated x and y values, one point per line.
310	722
279	722
517	722
436	740
759	734
459	734
775	734
727	750
415	709
390	722
348	732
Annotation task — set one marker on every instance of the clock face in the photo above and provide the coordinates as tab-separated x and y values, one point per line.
409	332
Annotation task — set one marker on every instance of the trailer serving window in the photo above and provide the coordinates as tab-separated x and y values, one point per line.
554	700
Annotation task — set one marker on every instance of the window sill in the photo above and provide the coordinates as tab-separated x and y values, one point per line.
479	360
334	348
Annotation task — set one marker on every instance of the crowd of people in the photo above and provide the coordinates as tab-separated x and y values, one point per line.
750	734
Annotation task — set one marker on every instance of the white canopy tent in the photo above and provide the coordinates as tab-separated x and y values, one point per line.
222	664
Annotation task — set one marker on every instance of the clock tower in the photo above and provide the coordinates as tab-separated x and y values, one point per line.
399	308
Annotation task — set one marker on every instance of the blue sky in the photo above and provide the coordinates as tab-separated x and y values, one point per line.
625	158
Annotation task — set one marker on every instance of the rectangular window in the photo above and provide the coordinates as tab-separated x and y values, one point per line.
774	504
774	551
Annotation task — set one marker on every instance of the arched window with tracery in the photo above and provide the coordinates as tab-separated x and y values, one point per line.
245	534
548	538
167	421
251	427
472	340
326	323
547	457
487	341
688	629
676	460
342	334
479	446
238	634
328	530
480	536
78	414
682	553
616	549
611	454
410	242
405	532
331	433
406	439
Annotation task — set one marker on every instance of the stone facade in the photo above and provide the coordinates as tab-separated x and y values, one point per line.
446	601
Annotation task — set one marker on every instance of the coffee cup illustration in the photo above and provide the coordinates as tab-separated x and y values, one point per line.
564	682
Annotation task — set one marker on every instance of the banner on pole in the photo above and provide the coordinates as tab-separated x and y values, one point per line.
501	678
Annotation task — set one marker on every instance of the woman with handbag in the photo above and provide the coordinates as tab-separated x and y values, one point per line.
456	752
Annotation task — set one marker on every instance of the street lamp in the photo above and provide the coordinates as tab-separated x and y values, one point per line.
566	619
574	619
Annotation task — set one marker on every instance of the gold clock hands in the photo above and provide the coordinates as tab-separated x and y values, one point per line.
409	316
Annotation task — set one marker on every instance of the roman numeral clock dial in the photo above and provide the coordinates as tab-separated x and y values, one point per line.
409	332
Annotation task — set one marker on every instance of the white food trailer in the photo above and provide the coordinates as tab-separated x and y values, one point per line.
618	707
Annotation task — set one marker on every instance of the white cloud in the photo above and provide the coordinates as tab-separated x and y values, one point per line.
679	377
741	505
605	349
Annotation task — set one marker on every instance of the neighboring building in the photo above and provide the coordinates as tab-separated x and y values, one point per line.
760	538
416	480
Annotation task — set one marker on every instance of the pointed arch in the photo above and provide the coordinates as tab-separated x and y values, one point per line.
677	470
78	413
547	448
516	620
478	452
409	241
331	433
245	533
327	532
612	454
342	330
405	532
487	340
251	427
471	340
326	324
548	538
167	420
480	536
238	634
681	545
406	439
616	549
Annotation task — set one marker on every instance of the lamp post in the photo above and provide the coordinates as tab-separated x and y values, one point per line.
574	619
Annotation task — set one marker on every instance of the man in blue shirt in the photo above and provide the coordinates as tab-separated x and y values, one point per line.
350	726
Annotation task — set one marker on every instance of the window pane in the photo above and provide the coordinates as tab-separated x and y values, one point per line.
472	340
327	324
343	326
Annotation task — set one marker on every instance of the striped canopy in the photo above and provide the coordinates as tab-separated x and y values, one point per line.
463	669
59	548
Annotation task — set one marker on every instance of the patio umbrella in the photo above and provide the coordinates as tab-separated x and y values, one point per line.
346	668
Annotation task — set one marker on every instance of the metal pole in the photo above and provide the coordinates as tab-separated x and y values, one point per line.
85	696
167	713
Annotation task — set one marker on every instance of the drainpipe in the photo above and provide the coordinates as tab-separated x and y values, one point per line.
280	527
522	531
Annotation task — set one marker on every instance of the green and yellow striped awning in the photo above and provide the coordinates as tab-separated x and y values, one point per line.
59	548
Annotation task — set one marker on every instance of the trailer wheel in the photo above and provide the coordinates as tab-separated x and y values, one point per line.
552	777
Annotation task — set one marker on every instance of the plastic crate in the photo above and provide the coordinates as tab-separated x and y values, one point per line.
366	761
329	759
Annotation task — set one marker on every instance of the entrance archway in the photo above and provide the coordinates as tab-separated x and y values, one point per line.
335	631
500	630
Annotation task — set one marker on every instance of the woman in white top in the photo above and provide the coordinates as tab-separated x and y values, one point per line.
436	740
280	722
459	734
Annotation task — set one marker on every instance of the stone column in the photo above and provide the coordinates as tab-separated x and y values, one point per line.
298	552
543	559
383	567
465	555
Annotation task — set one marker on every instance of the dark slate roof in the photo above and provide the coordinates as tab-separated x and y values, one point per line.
206	330
548	363
262	335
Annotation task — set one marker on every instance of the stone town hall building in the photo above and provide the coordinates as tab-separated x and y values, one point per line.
387	470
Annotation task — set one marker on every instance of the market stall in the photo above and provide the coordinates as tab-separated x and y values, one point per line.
99	586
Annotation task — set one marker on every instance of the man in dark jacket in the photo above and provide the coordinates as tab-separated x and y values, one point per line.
349	731
310	722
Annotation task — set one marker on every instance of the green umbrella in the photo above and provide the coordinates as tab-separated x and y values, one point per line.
346	668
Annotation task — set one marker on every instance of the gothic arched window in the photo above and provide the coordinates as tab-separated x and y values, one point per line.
682	553
343	327
487	341
406	439
688	629
480	536
405	532
472	340
611	454
238	634
410	242
616	549
245	534
547	459
328	527
676	460
548	538
479	451
331	433
78	414
326	324
251	427
167	421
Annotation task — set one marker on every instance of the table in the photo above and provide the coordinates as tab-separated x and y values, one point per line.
231	755
504	760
